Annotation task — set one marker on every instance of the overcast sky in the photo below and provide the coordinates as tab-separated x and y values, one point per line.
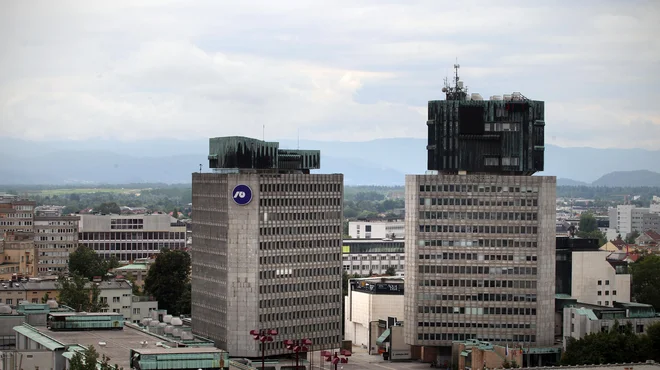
332	70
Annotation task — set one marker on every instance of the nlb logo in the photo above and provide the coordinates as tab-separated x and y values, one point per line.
242	194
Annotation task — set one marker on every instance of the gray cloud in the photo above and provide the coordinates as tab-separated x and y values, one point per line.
340	69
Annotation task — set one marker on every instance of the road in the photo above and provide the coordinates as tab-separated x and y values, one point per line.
361	360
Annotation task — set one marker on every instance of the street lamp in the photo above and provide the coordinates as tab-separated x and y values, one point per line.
297	346
263	336
336	359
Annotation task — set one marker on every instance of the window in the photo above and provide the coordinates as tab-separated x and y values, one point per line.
607	303
607	282
600	282
491	161
600	293
614	292
115	299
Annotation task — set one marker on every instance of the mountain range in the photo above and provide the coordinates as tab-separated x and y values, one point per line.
375	162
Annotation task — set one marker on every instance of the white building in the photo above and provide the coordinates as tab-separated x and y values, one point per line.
363	257
376	229
370	300
581	319
595	281
118	295
626	218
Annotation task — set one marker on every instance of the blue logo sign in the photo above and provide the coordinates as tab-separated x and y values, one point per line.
242	194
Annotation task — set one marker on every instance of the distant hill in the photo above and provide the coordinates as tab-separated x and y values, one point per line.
629	178
569	182
376	162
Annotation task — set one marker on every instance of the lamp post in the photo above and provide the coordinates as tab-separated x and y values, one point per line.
263	336
297	346
336	359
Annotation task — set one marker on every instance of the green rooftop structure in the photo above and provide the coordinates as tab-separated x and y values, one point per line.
244	153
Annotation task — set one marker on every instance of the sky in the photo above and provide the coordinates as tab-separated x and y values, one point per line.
349	70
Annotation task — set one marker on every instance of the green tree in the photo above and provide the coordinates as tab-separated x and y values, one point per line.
630	238
653	334
108	208
390	271
588	223
85	360
76	293
86	262
184	304
175	213
168	280
646	280
618	345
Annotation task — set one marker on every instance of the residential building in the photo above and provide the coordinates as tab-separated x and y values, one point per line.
595	280
369	301
137	272
117	294
141	307
648	238
16	214
267	239
55	237
365	257
582	319
48	211
651	222
480	230
628	218
16	256
131	237
377	229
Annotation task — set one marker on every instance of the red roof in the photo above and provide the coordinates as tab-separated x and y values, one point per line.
653	235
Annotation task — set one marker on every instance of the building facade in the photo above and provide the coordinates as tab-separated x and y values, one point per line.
131	237
365	257
393	229
596	281
480	230
267	239
55	237
17	256
477	258
16	214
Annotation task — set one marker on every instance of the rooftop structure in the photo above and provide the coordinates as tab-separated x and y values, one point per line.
243	153
501	135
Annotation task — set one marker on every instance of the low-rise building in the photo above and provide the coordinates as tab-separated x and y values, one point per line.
136	272
369	301
648	239
365	257
376	229
581	319
16	256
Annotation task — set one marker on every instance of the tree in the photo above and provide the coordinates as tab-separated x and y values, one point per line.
88	360
85	262
390	271
632	237
77	294
618	345
588	222
168	280
653	333
184	304
108	208
45	298
646	280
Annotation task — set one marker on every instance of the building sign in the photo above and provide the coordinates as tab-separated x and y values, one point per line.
242	194
400	355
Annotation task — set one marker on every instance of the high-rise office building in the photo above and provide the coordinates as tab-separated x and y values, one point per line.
55	237
266	251
480	230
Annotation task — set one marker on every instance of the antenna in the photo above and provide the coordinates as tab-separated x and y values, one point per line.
200	168
263	132
298	139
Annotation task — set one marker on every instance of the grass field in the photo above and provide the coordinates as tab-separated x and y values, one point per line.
58	192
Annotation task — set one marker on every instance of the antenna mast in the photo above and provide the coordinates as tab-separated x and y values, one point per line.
458	91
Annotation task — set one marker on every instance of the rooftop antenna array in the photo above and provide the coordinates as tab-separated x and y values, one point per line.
458	91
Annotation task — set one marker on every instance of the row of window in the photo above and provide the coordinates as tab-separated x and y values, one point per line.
485	325
490	243
299	301
133	235
375	268
135	246
301	216
504	216
298	188
305	272
299	314
462	336
474	270
373	258
57	223
299	230
479	202
478	188
58	231
323	341
523	311
482	229
476	257
16	215
298	258
513	284
299	244
299	202
481	297
299	287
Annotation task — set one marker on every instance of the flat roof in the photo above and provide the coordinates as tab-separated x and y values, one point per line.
85	314
157	351
118	343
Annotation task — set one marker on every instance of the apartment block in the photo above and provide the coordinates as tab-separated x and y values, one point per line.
377	229
131	237
365	257
16	256
55	237
16	214
266	254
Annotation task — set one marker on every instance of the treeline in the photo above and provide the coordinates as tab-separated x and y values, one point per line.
606	193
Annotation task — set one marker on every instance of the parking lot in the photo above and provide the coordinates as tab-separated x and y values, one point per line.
361	360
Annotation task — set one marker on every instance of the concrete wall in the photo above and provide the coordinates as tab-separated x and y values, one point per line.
590	268
365	308
379	229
